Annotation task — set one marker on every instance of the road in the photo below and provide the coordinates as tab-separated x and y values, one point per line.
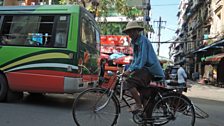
49	110
215	109
55	110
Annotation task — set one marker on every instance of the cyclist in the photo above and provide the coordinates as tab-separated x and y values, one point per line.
145	65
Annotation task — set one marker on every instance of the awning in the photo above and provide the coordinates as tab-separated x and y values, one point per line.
219	44
163	59
215	58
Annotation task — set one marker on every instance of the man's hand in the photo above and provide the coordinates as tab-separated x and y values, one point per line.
127	73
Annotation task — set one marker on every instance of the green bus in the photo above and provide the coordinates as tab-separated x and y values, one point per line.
47	49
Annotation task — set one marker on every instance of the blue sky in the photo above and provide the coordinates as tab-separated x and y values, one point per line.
167	10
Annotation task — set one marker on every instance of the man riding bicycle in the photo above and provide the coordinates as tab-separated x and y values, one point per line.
145	66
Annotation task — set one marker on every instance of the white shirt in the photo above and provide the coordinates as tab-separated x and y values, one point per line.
181	75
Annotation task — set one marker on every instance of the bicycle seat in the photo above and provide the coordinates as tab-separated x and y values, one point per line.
172	83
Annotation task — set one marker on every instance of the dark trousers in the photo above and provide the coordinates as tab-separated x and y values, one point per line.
138	79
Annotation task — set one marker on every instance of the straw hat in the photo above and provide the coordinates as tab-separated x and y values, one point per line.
132	25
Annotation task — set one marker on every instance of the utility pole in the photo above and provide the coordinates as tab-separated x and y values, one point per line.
159	33
146	8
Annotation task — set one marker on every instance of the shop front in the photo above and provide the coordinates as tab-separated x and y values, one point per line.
210	59
217	71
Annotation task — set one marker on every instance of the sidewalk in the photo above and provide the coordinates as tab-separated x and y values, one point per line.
205	92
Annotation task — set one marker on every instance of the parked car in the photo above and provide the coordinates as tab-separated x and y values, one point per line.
173	73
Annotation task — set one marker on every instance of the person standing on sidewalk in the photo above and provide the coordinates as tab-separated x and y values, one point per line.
145	66
182	78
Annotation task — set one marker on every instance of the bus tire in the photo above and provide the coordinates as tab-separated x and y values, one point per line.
3	88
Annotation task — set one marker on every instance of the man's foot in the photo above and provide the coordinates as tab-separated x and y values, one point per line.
136	108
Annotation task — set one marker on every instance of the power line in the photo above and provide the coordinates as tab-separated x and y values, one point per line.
181	41
165	5
169	28
172	41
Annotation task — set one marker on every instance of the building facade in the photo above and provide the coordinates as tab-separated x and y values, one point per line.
200	35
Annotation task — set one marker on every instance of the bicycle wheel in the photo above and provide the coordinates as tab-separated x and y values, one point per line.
173	109
95	107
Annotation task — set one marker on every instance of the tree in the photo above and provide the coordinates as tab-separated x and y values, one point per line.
119	7
115	8
80	2
10	2
106	8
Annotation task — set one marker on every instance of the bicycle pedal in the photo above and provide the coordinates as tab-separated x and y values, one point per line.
138	118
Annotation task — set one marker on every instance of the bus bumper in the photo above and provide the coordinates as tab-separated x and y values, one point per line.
72	85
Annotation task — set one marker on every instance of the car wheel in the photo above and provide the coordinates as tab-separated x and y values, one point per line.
3	88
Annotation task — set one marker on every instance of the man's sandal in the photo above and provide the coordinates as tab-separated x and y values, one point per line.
136	108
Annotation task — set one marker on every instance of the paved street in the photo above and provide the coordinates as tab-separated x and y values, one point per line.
205	92
55	110
211	100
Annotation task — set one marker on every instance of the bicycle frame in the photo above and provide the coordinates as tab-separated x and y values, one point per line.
112	90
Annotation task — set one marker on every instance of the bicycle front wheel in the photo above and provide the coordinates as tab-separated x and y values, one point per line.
173	109
96	107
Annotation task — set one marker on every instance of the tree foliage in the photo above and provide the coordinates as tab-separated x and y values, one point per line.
108	8
115	8
118	6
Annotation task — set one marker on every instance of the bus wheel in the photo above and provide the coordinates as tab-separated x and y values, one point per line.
3	88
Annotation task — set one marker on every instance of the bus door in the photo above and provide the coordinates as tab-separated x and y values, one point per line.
89	50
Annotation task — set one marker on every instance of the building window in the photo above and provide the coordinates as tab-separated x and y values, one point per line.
219	16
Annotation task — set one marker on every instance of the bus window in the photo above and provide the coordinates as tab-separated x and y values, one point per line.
35	30
46	28
88	33
61	31
16	28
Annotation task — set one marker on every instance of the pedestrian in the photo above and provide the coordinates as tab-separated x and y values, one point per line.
145	65
181	78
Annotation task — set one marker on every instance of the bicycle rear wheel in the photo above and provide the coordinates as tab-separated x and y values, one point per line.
173	109
95	107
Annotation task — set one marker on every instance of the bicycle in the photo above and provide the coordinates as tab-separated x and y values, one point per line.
199	113
101	106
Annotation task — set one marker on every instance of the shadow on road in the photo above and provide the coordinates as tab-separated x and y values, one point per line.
49	100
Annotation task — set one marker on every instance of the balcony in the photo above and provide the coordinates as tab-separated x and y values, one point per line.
218	6
208	1
178	53
178	13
